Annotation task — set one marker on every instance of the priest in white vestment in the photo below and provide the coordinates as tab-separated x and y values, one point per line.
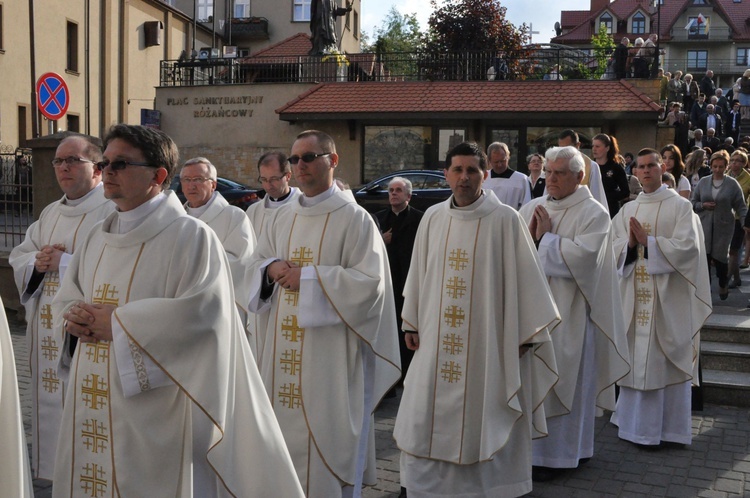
572	233
164	398
478	307
658	241
229	223
274	173
39	263
592	175
330	348
511	187
15	476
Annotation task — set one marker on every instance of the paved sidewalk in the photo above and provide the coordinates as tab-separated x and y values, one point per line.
717	464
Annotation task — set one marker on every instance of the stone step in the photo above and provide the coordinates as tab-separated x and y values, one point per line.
726	388
726	356
726	328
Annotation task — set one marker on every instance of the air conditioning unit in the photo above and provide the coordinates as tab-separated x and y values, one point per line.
230	52
208	53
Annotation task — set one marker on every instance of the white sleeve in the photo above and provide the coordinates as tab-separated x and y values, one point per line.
657	264
551	257
137	372
256	304
65	259
622	270
314	308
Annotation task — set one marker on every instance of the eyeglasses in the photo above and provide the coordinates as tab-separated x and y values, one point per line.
121	164
308	158
194	179
272	179
70	160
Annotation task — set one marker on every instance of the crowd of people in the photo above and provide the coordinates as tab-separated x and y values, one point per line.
197	350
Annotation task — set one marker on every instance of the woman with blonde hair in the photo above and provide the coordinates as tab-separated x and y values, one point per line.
695	167
717	199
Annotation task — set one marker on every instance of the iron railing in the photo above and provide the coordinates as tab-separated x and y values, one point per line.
16	201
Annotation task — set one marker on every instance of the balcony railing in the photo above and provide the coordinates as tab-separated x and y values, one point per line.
715	34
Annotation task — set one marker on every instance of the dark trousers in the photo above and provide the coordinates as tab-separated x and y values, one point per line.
722	270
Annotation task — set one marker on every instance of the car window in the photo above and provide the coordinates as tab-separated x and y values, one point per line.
434	182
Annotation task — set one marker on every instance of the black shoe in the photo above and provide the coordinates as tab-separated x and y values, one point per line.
544	474
402	494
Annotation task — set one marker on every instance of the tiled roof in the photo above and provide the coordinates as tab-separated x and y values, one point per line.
351	100
736	14
293	46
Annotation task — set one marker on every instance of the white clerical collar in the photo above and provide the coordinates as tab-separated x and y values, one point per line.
128	220
317	199
273	203
82	199
198	212
660	189
471	206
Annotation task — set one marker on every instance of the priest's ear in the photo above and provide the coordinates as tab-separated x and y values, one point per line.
580	176
160	176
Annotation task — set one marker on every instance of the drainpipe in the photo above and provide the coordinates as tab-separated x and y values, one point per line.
32	60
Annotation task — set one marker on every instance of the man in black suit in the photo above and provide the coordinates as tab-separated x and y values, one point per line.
732	126
711	120
712	141
398	225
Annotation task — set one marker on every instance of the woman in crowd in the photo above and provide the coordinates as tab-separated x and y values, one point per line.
535	163
672	158
737	164
615	182
716	199
695	167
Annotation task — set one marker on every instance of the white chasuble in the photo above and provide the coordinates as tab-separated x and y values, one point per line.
666	295
15	475
174	406
579	262
64	226
330	350
476	293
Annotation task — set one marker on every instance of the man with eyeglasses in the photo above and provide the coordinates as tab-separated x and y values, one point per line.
198	179
164	397
39	264
571	231
275	173
330	350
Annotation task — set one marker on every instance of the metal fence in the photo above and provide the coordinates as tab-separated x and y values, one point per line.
16	201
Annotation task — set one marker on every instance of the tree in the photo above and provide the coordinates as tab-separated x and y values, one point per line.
603	45
463	27
397	41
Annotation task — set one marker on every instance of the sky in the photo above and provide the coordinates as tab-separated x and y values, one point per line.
541	14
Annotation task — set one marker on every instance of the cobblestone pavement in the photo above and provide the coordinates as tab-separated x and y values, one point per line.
716	465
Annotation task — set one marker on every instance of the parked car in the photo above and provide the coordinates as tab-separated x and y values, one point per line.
428	187
234	192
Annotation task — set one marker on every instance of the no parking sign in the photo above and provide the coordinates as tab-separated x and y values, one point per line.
52	96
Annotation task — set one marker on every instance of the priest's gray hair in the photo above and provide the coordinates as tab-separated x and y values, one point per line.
405	181
572	154
212	174
495	146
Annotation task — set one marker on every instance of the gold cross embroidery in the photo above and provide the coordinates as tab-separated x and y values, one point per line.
291	361
458	259
290	396
51	284
291	297
641	274
647	228
94	392
93	480
643	317
454	316
456	287
106	294
49	348
453	344
451	372
50	381
98	352
94	435
46	316
302	256
643	296
290	330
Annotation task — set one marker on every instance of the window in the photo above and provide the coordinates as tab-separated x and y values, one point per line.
699	2
742	57
74	123
606	20
205	10
698	27
241	8
22	125
697	59
301	11
389	148
72	47
639	24
355	28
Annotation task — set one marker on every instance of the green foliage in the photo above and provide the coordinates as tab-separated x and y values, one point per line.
398	33
465	26
603	45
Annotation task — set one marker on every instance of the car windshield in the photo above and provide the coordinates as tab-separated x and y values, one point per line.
418	182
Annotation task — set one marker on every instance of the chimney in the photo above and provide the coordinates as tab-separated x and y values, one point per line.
597	5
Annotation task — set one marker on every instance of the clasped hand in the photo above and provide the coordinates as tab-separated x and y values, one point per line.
90	322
